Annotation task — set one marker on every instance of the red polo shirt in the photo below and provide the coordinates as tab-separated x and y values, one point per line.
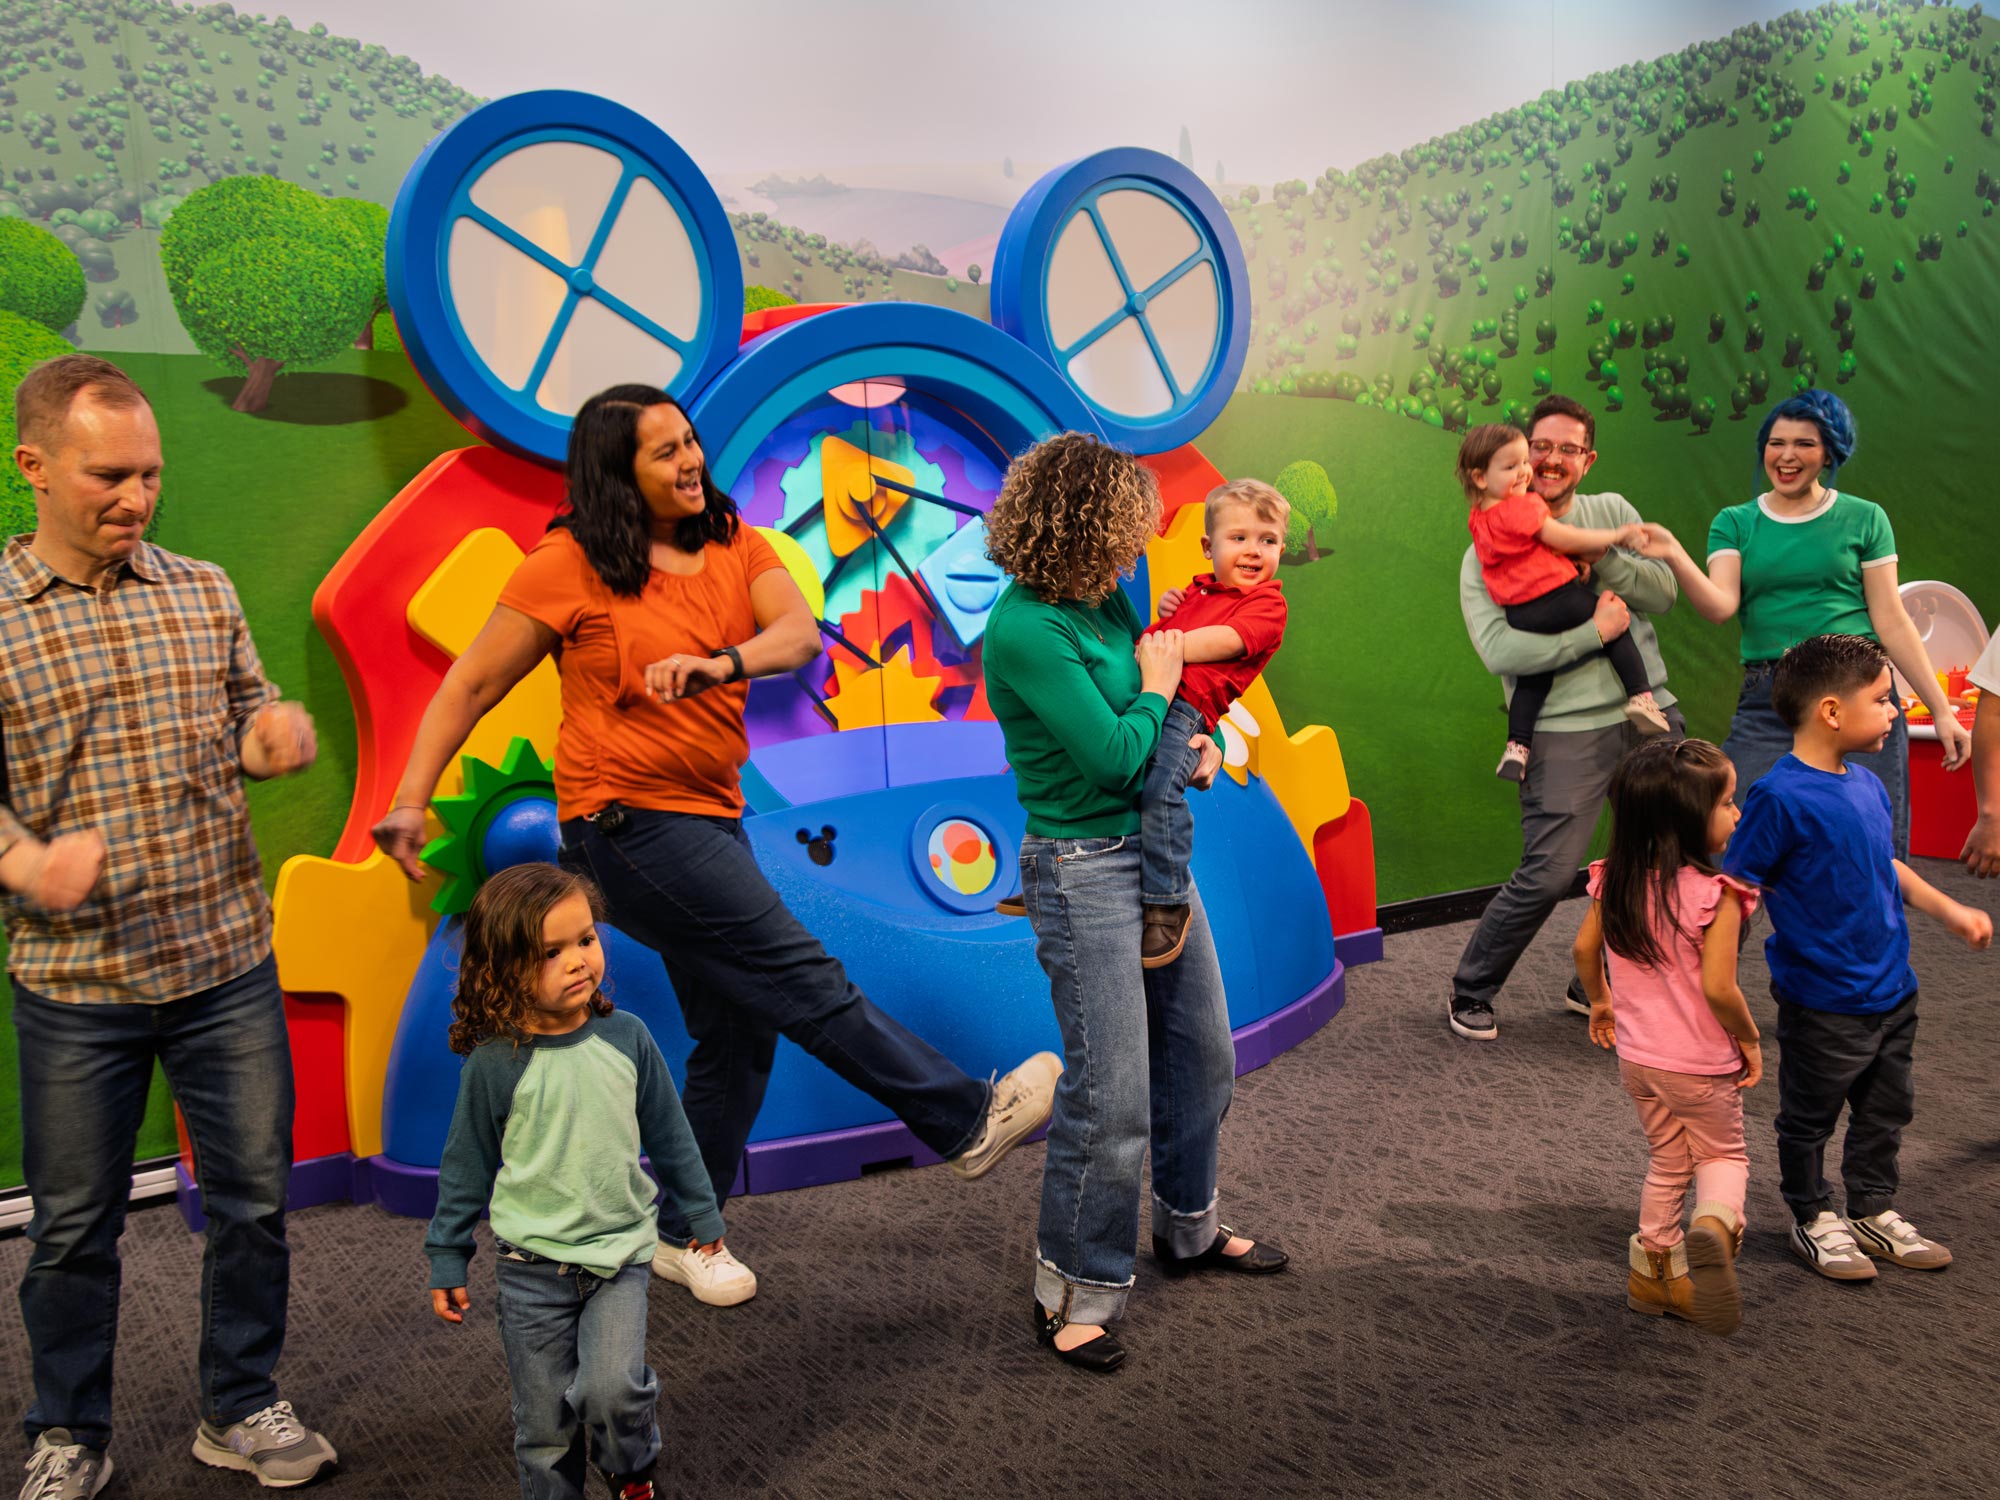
1258	615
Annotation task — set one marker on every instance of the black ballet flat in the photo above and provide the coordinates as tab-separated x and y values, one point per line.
1259	1260
1100	1355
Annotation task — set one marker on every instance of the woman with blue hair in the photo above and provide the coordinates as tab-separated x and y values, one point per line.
1805	559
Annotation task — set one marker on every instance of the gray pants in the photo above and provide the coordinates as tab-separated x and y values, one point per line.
1825	1060
1568	776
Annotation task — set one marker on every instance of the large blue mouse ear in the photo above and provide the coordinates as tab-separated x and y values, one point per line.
1123	272
549	245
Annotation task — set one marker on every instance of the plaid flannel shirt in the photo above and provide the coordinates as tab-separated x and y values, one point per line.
123	709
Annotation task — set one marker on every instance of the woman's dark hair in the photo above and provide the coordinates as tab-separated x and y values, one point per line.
502	958
1662	796
1825	411
605	511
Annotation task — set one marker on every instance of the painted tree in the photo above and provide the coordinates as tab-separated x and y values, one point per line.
1186	152
1305	484
40	279
371	222
264	275
24	343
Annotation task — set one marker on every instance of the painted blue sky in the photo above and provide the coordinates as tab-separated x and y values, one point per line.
1271	88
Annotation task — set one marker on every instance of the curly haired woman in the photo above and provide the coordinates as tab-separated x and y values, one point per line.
1080	698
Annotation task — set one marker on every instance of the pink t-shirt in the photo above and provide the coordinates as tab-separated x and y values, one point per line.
1662	1016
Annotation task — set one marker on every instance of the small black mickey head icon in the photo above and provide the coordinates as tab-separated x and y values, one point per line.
819	850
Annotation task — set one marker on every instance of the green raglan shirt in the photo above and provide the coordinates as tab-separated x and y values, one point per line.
550	1132
1064	684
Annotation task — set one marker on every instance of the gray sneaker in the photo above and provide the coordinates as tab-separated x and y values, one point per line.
59	1469
1022	1101
273	1444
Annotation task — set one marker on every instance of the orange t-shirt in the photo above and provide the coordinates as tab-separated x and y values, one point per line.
616	743
1515	562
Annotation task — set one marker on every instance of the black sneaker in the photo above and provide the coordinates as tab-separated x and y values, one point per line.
1473	1020
1575	1000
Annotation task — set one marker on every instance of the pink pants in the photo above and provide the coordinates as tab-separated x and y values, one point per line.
1694	1125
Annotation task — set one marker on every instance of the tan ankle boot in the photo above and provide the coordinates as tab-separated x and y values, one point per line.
1659	1282
1713	1243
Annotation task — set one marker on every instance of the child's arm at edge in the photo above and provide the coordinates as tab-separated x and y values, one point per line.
1573	540
466	1170
1721	988
1968	924
1212	643
1588	953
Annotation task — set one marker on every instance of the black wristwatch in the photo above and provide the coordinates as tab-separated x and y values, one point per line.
736	660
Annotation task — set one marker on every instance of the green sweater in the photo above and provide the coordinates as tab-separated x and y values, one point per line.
1064	684
1590	697
550	1132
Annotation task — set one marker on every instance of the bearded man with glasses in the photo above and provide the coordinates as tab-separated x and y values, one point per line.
1582	730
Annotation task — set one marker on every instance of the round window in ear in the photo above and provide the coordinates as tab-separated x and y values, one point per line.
551	244
1123	272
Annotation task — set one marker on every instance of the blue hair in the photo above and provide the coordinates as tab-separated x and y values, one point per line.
1825	411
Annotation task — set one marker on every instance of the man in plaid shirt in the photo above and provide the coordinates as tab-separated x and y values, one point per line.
132	704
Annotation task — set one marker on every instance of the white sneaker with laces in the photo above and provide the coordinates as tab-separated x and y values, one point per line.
60	1469
1890	1236
273	1444
720	1280
1022	1100
1826	1246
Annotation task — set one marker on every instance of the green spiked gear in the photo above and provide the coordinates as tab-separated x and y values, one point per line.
488	789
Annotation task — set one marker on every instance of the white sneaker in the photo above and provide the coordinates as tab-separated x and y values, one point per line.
1890	1236
1829	1249
720	1280
1022	1101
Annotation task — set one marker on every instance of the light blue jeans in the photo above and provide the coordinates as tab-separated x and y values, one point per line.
576	1355
1147	1058
1758	740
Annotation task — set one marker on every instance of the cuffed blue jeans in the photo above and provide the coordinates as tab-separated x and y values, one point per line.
1759	739
1147	1058
576	1357
746	971
84	1075
1166	827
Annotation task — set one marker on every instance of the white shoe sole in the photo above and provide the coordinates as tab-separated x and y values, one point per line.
1830	1270
727	1296
1881	1247
218	1457
1490	1035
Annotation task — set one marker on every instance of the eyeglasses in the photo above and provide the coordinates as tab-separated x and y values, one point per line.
1542	448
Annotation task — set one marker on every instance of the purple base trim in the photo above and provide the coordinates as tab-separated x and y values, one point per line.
317	1180
809	1160
1363	947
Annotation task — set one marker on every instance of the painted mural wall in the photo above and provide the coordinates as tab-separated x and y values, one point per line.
1675	215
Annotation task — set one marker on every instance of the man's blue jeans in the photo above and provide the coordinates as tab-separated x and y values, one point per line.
746	971
1166	827
84	1075
1759	739
576	1357
1147	1058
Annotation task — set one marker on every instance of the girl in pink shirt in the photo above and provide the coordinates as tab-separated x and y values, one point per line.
1665	922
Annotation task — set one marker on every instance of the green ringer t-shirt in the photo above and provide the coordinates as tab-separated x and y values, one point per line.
1802	574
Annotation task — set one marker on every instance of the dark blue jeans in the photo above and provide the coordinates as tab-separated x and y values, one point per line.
1166	827
1758	740
746	972
576	1358
84	1075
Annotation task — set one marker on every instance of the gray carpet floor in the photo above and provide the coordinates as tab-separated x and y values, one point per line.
1453	1324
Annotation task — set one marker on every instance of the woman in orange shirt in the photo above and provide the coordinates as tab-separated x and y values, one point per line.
660	604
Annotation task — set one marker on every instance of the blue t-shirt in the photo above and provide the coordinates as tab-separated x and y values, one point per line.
1822	848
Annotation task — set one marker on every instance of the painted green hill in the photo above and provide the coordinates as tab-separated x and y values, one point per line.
110	113
1677	243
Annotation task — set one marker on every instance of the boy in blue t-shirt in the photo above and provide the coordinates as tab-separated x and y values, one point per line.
1816	835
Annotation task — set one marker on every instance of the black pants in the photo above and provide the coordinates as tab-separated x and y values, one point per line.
1551	614
1826	1060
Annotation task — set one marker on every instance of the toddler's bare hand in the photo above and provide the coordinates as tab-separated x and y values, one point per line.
450	1305
1603	1030
1970	925
1753	1064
